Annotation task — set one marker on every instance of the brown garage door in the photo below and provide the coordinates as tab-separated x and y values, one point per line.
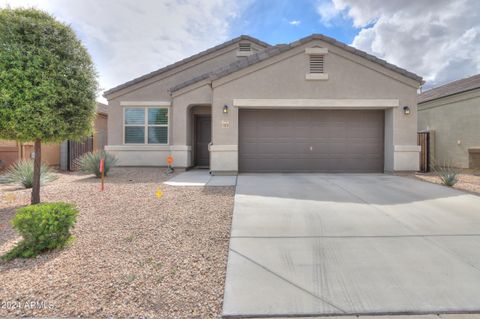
311	140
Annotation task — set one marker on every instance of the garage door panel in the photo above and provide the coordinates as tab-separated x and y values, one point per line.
302	132
311	140
367	132
366	148
304	165
335	148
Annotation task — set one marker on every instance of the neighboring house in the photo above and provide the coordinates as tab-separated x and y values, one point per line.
11	151
100	127
452	113
312	105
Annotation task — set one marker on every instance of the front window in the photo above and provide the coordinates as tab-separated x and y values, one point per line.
146	125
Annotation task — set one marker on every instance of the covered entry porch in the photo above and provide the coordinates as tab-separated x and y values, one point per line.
199	135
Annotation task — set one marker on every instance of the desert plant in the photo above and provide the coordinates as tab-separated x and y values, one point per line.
447	173
21	173
90	162
43	227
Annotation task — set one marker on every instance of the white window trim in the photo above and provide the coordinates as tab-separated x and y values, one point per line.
146	103
146	125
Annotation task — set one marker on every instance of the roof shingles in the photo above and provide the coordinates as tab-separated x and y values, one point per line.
267	53
184	61
278	49
451	88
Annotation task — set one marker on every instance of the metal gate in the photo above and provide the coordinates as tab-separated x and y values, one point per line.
76	149
423	139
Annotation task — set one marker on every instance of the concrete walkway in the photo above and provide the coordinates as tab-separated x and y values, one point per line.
351	244
201	177
436	316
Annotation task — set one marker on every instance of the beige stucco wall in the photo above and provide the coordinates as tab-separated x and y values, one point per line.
182	104
349	77
156	89
50	153
456	122
281	77
100	131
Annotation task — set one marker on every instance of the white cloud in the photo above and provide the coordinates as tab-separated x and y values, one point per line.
130	38
439	40
295	22
327	11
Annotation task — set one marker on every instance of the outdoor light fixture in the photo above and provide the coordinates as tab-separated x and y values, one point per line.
225	109
406	110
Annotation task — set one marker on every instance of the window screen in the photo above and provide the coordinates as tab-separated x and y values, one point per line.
146	125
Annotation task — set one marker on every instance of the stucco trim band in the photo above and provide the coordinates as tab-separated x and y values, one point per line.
223	148
146	103
407	148
156	156
316	50
316	103
244	53
316	76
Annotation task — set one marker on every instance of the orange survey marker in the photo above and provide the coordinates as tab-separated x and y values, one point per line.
102	169
169	164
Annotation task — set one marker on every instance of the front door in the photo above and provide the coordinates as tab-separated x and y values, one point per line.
203	136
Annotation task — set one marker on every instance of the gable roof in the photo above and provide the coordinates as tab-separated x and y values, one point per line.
451	88
280	48
184	61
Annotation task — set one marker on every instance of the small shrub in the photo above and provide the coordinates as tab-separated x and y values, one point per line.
447	173
449	178
90	162
21	173
43	227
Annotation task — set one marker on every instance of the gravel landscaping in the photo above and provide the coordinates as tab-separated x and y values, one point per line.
466	182
134	255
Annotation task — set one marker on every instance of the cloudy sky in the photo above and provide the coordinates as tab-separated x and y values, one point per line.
439	40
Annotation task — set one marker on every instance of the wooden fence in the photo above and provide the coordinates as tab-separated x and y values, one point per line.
423	139
75	150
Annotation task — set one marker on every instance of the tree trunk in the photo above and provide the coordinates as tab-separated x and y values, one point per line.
36	172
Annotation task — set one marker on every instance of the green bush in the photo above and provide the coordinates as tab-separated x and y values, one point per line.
90	162
21	173
43	227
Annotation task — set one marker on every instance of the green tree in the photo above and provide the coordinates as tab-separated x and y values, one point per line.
47	82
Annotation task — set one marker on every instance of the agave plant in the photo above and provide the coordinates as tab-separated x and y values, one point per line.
21	173
90	162
449	178
447	173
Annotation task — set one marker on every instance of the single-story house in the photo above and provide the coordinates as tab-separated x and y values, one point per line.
12	151
314	105
451	113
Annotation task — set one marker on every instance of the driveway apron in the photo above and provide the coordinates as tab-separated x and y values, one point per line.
351	244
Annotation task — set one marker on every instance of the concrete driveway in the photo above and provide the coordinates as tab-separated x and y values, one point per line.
338	244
